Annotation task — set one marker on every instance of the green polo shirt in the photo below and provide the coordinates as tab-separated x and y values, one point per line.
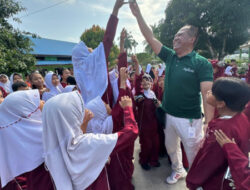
182	97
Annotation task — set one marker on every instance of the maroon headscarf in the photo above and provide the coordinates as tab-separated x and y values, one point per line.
220	72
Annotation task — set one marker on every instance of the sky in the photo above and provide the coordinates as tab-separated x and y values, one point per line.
67	21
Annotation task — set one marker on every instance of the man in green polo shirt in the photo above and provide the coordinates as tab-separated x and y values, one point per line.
188	76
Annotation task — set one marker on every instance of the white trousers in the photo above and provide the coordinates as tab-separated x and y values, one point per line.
178	129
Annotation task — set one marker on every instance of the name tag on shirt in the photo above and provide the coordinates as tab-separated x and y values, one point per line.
191	132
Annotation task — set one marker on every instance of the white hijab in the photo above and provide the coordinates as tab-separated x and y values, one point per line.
113	76
6	86
20	134
12	80
102	122
12	77
149	94
161	70
90	71
54	90
148	68
68	88
74	159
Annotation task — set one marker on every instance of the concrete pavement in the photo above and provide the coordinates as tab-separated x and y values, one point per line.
154	179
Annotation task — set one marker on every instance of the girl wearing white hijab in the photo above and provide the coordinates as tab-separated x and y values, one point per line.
69	88
5	83
53	84
15	77
90	66
77	160
147	103
102	121
21	140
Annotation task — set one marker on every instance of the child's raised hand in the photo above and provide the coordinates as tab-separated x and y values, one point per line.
88	116
125	102
118	4
123	34
134	59
222	138
123	74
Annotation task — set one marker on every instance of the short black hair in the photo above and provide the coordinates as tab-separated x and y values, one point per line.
131	73
71	80
233	91
151	73
17	74
17	85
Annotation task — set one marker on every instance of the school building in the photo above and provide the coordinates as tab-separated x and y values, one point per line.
52	52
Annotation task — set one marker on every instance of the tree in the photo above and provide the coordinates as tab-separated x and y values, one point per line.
223	24
94	36
15	48
130	43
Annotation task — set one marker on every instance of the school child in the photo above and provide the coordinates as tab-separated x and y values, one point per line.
76	159
229	96
21	153
53	86
148	127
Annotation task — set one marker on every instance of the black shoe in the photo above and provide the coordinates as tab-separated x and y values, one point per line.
157	165
145	167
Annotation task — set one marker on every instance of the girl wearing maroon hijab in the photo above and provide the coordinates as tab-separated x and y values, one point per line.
218	71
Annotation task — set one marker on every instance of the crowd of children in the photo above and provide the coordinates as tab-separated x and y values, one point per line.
77	130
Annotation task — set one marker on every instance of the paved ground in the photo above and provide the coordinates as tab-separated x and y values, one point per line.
154	179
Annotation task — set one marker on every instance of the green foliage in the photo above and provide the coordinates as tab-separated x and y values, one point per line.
223	24
14	46
145	58
113	56
94	36
130	43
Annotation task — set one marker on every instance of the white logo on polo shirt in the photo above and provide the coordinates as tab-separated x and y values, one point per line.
188	70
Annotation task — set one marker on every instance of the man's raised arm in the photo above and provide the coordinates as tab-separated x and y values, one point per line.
155	44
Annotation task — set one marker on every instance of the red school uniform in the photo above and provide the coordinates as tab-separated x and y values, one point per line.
63	84
37	179
247	111
3	91
210	164
148	128
239	166
121	167
108	43
127	134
